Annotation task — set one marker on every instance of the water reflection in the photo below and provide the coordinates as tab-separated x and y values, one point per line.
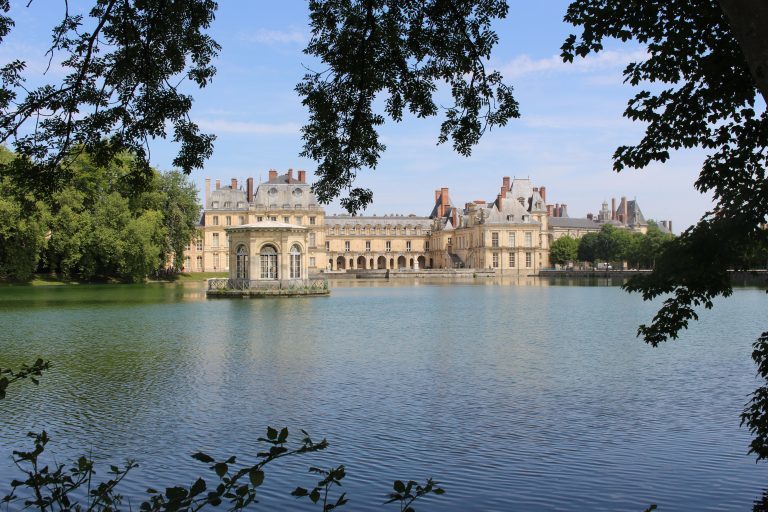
539	391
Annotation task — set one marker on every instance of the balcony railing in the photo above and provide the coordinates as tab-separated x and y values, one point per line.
267	284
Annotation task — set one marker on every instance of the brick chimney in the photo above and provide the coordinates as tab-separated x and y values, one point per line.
543	194
503	194
249	189
563	210
302	176
218	184
557	209
444	201
549	210
505	182
613	208
437	195
234	183
272	174
207	191
290	175
624	211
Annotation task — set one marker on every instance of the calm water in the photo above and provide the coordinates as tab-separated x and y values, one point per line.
515	397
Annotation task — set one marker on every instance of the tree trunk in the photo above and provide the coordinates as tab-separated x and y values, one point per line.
748	20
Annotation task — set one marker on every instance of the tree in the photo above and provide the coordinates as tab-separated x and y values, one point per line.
563	250
588	248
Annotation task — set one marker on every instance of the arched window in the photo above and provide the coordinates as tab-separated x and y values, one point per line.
242	262
268	260
295	262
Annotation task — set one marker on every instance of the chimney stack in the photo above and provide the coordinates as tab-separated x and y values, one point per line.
624	211
549	210
613	208
503	194
505	182
563	210
234	183
272	174
302	176
290	175
543	194
437	195
557	209
589	216
249	189
218	184
207	191
498	201
444	201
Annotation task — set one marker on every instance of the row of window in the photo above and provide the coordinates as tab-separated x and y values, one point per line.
511	239
387	246
228	205
512	262
298	220
371	230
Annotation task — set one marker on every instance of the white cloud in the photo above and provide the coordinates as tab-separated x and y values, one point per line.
244	127
525	65
265	36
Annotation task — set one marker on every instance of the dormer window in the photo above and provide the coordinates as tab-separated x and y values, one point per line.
227	204
241	204
521	200
215	204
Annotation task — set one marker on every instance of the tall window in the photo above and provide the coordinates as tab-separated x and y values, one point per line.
215	261
312	262
408	246
528	260
295	262
368	246
186	263
327	246
199	243
199	263
241	220
215	242
311	239
229	220
528	239
389	245
495	239
215	220
346	246
298	220
311	221
287	220
268	261
495	260
242	262
512	239
512	260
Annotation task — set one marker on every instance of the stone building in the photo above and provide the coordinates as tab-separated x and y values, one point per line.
510	234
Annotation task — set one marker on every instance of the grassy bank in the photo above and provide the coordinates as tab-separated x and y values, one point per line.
54	280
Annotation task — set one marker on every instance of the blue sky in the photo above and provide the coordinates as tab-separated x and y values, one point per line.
570	126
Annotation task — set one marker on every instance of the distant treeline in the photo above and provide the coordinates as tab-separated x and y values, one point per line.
638	250
99	226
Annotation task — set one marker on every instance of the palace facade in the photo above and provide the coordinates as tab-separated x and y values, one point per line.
509	234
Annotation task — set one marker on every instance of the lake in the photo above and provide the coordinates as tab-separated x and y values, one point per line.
514	395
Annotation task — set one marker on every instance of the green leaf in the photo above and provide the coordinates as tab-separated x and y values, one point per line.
399	486
271	433
299	491
198	487
221	469
314	495
202	457
256	476
283	435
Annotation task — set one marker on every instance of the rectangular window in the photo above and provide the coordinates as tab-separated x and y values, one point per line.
259	219
368	246
199	263
408	246
388	245
215	242
298	221
273	219
346	245
229	220
528	239
512	239
495	239
512	260
287	220
311	221
449	242
528	260
215	220
312	261
426	245
495	260
241	220
215	261
199	243
311	239
327	246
